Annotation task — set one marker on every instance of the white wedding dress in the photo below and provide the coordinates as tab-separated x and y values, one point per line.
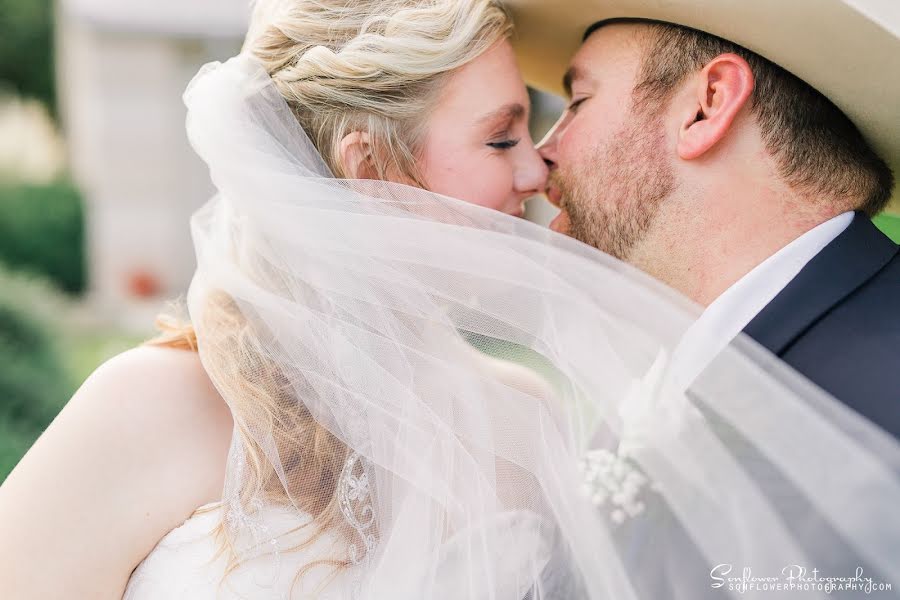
184	565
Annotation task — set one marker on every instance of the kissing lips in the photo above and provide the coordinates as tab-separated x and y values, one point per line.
561	223
554	196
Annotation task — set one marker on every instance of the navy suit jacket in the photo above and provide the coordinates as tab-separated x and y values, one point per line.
838	322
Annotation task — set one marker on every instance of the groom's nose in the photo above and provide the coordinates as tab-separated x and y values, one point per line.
549	159
547	149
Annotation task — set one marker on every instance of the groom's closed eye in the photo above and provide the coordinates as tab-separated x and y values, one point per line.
573	106
579	76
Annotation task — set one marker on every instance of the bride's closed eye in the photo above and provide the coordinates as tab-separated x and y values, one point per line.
505	144
478	148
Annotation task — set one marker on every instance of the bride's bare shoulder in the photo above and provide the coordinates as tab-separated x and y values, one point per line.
167	398
157	372
139	446
158	387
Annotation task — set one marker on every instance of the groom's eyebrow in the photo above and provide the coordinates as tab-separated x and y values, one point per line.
571	75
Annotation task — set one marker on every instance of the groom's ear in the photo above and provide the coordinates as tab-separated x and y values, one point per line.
721	90
356	156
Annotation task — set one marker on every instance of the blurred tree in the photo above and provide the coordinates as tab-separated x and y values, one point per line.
42	231
26	48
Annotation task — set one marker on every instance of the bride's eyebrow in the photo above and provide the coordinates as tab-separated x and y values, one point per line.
507	112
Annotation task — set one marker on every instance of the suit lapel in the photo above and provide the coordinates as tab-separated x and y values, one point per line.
838	270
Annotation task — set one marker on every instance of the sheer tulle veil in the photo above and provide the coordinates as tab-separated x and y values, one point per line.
469	405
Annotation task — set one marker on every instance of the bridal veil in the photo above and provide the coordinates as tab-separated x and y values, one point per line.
474	406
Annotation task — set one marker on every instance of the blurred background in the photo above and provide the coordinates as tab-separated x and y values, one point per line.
97	182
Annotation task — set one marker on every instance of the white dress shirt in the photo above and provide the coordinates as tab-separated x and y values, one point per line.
733	310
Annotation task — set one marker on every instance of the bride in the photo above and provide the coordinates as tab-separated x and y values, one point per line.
428	95
391	387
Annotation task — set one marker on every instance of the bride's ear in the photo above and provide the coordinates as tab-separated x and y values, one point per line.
356	156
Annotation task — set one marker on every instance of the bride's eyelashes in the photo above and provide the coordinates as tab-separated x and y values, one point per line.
504	145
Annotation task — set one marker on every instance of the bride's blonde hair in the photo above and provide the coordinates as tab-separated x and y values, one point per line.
373	66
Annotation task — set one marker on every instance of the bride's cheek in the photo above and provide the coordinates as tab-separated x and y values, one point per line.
496	187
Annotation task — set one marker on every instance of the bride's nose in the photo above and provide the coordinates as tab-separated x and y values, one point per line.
531	176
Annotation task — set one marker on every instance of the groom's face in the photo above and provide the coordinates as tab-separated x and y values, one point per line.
609	159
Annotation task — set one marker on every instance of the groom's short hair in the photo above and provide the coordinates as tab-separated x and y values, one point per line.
817	148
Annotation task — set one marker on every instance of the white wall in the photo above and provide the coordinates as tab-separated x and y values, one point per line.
120	97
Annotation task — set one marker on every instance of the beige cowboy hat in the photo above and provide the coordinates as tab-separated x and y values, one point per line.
847	49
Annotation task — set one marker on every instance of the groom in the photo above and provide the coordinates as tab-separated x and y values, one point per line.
732	180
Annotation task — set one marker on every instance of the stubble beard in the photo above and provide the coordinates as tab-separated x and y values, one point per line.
613	197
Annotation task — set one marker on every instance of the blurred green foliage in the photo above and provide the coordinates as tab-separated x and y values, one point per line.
46	352
30	368
890	225
15	439
33	381
26	49
42	231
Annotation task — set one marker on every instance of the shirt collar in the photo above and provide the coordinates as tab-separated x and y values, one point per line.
730	313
